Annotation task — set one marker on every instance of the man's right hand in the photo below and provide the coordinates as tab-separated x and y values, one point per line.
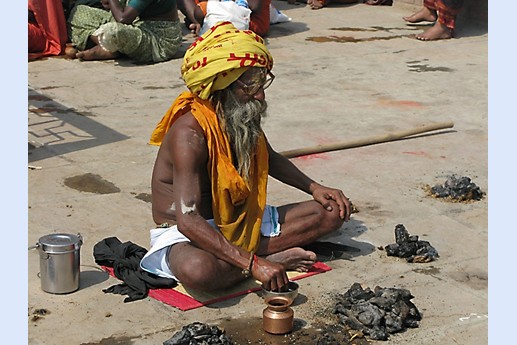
195	28
272	275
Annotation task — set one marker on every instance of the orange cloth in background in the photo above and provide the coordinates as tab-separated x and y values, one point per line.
237	206
447	10
48	36
260	21
202	6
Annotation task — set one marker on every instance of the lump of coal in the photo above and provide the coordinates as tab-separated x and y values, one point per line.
410	247
198	333
377	313
457	189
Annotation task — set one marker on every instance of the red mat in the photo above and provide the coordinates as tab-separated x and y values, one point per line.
184	299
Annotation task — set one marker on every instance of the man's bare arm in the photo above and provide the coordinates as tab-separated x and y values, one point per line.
285	171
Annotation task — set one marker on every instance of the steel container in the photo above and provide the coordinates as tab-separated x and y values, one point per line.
59	262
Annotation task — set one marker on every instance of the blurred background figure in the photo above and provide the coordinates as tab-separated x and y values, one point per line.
443	13
144	31
243	14
47	33
317	4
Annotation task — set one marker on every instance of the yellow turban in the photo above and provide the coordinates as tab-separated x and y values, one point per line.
220	56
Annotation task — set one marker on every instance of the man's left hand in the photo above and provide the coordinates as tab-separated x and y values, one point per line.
105	4
324	194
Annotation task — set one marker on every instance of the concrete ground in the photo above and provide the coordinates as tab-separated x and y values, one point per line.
343	73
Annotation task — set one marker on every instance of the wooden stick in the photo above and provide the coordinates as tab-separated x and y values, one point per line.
367	141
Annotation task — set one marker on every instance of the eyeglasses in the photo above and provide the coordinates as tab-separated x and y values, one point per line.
252	89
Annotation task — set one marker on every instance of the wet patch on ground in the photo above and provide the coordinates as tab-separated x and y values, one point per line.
351	39
114	341
476	280
91	183
144	197
431	271
422	66
153	87
375	210
427	68
249	331
38	314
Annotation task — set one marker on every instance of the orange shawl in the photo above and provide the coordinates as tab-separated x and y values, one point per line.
237	206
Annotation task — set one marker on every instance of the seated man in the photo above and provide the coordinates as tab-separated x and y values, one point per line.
443	13
145	31
210	176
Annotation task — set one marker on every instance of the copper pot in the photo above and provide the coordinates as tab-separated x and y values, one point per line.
277	317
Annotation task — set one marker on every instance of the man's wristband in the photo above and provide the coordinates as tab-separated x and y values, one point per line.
247	271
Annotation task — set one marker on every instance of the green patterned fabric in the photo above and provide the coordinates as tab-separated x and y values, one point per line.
144	41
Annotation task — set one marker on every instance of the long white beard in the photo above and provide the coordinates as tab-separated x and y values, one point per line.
242	122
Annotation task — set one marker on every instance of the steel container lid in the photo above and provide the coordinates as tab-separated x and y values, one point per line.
60	243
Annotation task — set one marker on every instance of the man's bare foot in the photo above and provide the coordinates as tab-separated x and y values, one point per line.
294	259
316	4
437	32
424	15
96	53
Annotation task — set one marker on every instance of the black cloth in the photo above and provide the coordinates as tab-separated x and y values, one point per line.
125	258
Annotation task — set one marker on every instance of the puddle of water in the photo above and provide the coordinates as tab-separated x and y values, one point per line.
113	341
371	29
431	271
353	29
349	39
427	68
248	331
144	197
91	183
154	88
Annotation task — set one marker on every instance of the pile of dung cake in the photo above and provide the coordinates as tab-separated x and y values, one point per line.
410	247
198	333
456	189
377	313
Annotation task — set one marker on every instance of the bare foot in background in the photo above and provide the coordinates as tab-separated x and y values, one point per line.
437	32
424	15
96	53
316	4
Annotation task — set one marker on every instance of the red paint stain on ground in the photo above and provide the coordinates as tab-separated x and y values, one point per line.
401	103
416	153
313	156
